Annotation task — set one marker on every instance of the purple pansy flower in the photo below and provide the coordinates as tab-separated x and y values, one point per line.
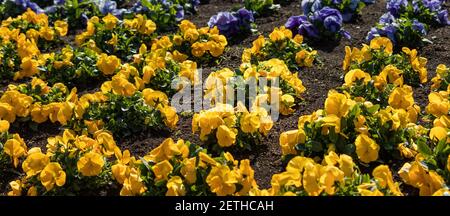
396	6
433	5
330	17
310	6
442	17
387	18
418	26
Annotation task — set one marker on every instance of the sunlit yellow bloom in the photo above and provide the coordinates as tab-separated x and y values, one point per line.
47	33
106	140
122	86
61	27
166	151
226	136
305	58
52	175
222	180
438	133
4	126
189	170
90	164
311	178
114	39
356	75
171	117
35	162
369	189
29	67
439	103
185	25
382	43
366	148
7	112
175	187
289	139
205	159
198	49
162	170
346	164
16	188
110	21
329	176
401	97
384	177
337	104
133	185
191	35
15	148
108	64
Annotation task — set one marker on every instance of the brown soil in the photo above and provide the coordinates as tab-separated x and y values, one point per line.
266	159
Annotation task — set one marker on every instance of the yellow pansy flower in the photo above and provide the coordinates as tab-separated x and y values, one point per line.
355	75
162	170
191	35
52	175
61	27
166	151
439	103
114	40
7	112
366	148
108	64
171	117
4	126
16	188
369	189
384	177
439	133
47	33
382	43
35	162
91	164
337	104
15	148
289	139
189	170
133	185
110	21
226	136
221	180
311	179
329	176
401	97
175	187
185	25
198	49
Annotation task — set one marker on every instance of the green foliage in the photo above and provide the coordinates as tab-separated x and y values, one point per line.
79	69
261	7
125	116
9	60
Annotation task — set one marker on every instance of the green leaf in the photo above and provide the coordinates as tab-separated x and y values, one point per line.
424	149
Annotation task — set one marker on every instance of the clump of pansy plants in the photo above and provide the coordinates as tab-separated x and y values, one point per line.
166	14
350	9
323	24
379	58
408	22
117	37
234	24
283	45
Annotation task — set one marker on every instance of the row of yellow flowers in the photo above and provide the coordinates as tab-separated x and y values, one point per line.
375	120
